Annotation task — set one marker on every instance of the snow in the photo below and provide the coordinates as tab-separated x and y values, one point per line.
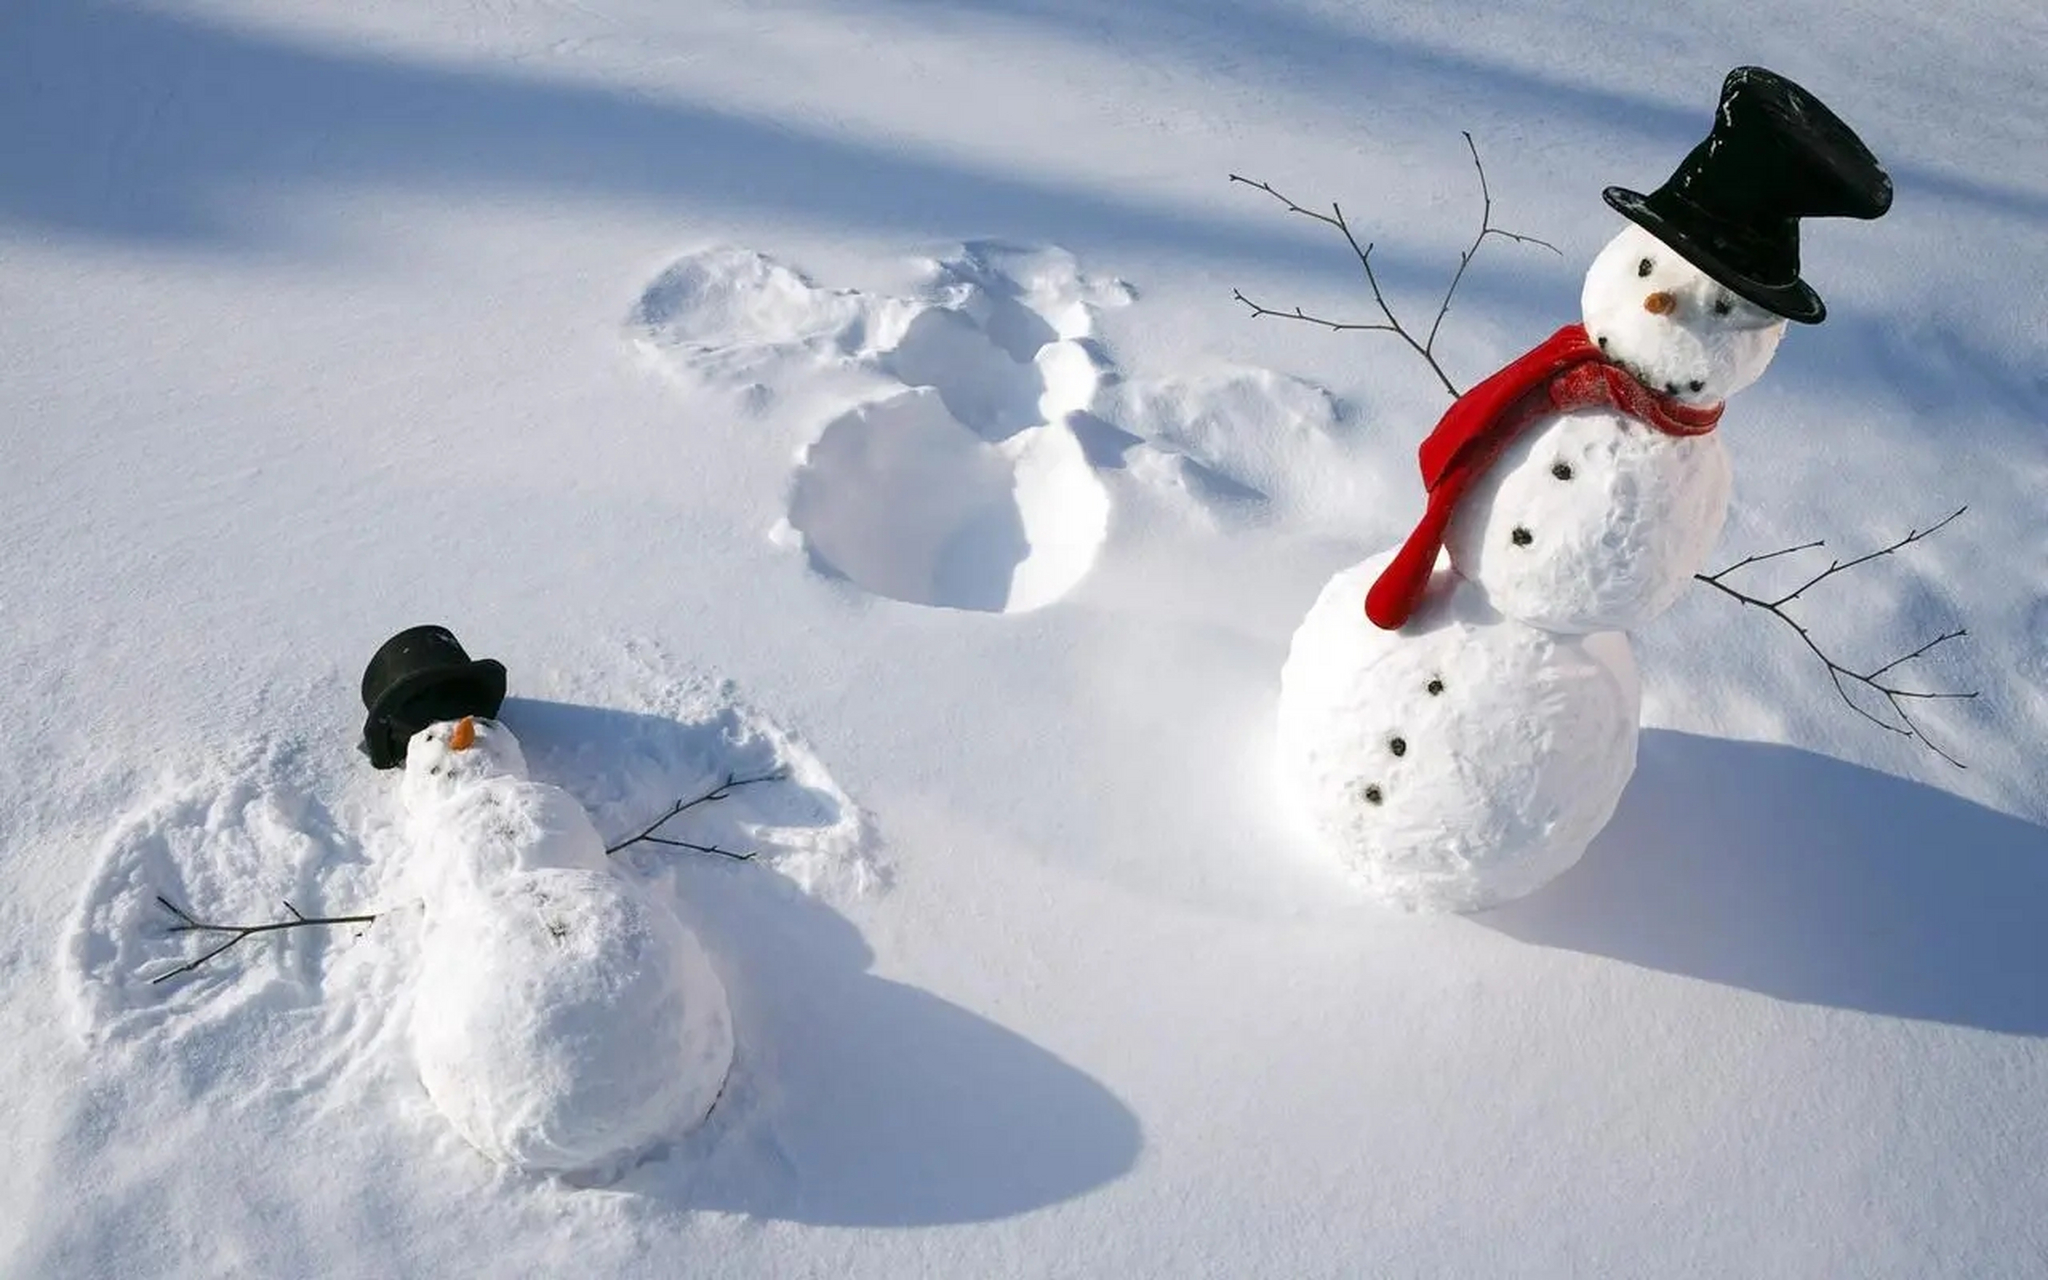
324	320
1461	761
1614	519
566	1023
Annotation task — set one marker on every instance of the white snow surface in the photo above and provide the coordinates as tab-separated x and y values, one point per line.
1458	762
323	320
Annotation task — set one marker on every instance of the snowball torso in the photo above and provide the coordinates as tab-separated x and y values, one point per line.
563	1021
1590	520
477	834
1461	761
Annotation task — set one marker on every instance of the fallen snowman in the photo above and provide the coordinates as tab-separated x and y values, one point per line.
564	1021
1461	740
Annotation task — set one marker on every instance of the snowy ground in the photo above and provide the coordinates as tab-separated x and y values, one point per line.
857	389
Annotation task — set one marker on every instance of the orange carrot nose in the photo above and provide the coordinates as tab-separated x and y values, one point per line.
1660	303
464	736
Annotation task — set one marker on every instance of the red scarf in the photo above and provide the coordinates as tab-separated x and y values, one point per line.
1566	372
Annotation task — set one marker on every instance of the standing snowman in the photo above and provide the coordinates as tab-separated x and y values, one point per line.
1463	739
564	1021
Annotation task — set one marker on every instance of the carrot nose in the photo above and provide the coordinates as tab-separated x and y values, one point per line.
1660	303
464	736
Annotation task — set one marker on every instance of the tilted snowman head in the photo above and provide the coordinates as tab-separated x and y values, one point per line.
1673	326
443	758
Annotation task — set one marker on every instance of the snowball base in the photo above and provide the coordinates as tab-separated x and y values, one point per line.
566	1023
1461	761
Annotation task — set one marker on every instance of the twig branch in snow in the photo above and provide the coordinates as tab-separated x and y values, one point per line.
731	784
1841	675
1426	347
187	923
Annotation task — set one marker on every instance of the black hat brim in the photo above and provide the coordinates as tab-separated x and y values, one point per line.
1796	301
476	688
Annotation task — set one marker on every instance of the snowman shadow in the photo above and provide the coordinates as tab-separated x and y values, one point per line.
1812	880
854	1100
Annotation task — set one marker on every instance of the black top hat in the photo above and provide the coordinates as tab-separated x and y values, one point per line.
1775	155
422	676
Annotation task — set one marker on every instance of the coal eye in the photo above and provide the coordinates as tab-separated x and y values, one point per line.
1721	308
1697	385
1644	267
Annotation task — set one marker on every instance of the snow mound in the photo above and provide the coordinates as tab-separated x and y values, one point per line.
1247	446
564	1022
1461	761
963	484
969	490
724	313
968	470
903	500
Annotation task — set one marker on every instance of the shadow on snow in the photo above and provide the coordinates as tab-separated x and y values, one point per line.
1801	877
855	1100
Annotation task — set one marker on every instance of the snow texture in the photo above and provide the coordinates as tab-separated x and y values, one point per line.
1592	521
564	1021
964	486
1461	761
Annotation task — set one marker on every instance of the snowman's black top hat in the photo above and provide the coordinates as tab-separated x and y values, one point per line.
419	677
1775	155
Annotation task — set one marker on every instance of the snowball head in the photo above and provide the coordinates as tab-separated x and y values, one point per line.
436	769
1461	761
567	1023
1672	325
1591	521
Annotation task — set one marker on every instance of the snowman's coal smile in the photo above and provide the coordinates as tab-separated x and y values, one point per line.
1669	388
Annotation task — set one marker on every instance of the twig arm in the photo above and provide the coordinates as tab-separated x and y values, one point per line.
731	783
1840	675
1426	347
188	923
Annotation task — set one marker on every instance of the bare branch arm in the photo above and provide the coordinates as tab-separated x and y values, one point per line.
723	789
1425	348
1486	228
1839	674
187	923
